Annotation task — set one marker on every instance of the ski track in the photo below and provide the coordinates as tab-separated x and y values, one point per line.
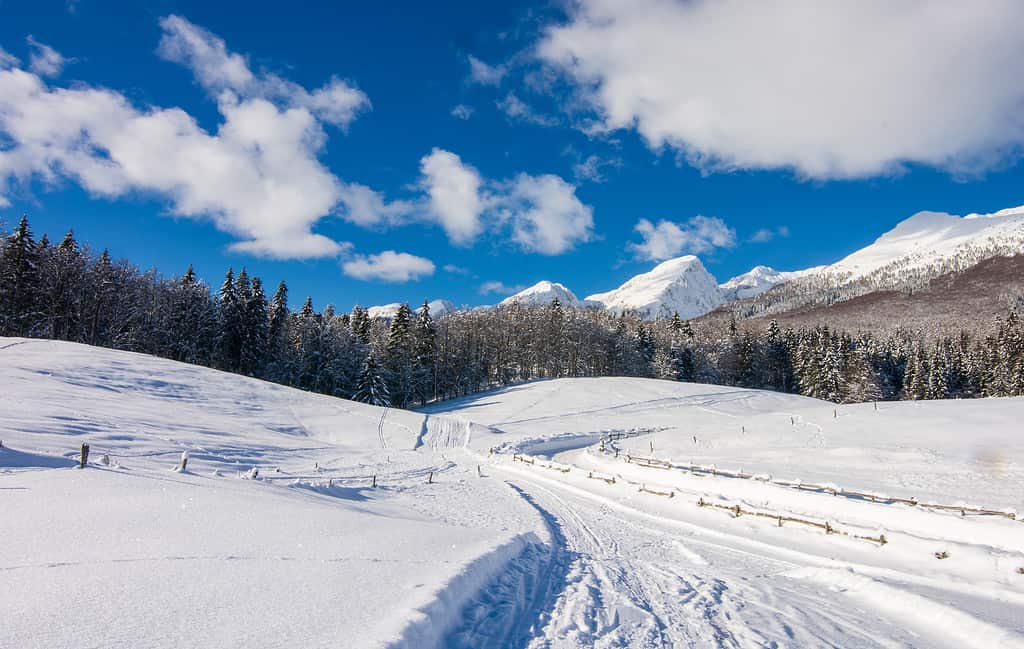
606	579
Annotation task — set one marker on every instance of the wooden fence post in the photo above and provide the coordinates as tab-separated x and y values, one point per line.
374	480
84	456
430	478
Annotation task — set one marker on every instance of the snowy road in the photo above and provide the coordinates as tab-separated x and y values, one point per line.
612	579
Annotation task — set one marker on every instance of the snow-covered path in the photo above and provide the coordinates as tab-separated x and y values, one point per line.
618	580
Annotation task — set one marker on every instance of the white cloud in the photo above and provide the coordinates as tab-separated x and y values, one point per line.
462	111
455	270
485	74
454	195
592	168
764	235
257	176
368	208
519	110
219	70
499	288
545	214
44	60
7	60
830	90
542	212
666	239
388	266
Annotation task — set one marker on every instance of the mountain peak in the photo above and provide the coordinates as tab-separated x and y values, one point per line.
543	292
680	285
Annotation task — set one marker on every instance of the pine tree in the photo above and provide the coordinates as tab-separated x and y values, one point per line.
19	259
398	359
425	349
230	312
360	323
255	347
371	387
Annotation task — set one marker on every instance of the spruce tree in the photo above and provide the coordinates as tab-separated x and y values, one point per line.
371	387
19	260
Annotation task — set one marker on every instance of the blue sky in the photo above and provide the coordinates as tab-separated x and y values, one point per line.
426	150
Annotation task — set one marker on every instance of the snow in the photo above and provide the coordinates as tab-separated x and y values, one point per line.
930	237
542	293
963	453
680	285
136	554
438	308
758	280
498	549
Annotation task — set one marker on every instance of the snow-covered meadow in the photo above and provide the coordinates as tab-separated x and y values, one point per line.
460	545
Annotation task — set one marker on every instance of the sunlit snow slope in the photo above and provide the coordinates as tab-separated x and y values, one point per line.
304	554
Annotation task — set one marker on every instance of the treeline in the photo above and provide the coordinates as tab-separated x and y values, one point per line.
64	291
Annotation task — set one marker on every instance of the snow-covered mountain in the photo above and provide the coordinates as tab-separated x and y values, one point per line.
906	259
936	238
543	293
680	285
438	308
758	280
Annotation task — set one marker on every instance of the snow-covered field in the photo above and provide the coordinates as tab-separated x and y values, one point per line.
494	552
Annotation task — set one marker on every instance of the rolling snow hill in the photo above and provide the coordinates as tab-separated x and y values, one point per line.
716	517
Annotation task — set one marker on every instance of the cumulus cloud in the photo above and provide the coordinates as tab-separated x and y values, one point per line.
485	74
545	214
368	208
453	190
829	90
256	176
219	70
542	213
666	239
499	288
44	60
388	266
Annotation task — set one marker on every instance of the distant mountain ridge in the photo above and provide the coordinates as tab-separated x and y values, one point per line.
923	247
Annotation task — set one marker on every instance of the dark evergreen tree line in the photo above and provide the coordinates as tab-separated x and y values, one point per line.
67	292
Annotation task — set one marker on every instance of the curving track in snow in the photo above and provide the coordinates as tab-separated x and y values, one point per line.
612	578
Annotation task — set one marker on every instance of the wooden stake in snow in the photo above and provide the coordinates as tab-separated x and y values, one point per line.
430	478
479	471
184	461
374	485
84	457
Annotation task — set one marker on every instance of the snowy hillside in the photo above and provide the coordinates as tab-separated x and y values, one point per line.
130	553
542	293
759	279
929	238
438	308
275	535
680	285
